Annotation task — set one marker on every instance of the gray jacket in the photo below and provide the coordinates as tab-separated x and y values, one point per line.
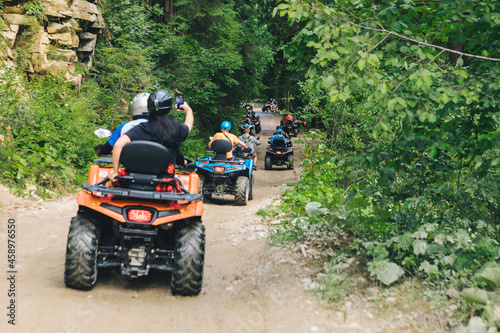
250	141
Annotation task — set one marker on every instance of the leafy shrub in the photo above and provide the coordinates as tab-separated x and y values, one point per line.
421	235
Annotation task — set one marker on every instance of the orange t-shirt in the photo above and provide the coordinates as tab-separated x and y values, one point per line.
220	136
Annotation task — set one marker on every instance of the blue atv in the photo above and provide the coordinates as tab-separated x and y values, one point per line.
220	176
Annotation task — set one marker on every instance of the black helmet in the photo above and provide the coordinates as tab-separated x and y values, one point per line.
159	102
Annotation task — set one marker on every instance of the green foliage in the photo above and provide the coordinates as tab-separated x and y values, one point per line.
212	52
215	53
48	132
408	165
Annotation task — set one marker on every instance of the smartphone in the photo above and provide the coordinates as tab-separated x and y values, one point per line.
179	99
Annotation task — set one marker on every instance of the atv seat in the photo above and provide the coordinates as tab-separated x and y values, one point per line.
146	157
146	163
279	143
221	147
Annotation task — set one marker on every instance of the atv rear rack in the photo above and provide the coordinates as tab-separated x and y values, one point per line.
214	161
140	194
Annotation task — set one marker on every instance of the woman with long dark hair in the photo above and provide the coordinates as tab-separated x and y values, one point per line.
160	128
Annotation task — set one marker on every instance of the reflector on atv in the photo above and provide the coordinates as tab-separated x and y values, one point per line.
139	215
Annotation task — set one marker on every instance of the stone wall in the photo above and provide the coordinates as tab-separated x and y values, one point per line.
67	36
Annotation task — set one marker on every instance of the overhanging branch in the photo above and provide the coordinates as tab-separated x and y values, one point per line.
392	33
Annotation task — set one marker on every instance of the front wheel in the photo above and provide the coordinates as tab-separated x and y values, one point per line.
80	268
189	259
207	196
242	191
268	164
295	131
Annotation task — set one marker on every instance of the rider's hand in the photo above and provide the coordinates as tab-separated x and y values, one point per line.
112	176
184	107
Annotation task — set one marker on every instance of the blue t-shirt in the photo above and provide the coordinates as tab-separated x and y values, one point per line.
278	137
124	128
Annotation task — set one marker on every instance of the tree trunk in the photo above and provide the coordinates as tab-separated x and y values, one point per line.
168	10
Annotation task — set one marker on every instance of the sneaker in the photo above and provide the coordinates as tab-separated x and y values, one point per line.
255	168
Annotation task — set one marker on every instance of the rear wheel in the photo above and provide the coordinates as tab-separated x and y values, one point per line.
189	259
289	160
242	191
80	268
268	164
252	187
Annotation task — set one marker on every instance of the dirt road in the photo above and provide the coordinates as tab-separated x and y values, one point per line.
248	286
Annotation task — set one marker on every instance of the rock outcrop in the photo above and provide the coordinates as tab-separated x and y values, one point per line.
66	35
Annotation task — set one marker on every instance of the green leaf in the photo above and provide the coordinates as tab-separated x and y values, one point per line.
329	80
373	60
312	71
388	272
313	209
422	116
427	77
462	73
444	98
474	296
426	267
419	247
492	276
384	88
361	64
432	152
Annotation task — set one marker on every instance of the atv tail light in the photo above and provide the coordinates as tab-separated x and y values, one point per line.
278	152
139	215
219	169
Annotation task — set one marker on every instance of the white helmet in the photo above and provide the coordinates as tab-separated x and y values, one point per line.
139	105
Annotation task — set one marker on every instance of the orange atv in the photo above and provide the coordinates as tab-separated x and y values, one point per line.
270	106
149	219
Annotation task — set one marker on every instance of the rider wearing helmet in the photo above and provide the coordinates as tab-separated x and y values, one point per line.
225	135
281	135
139	113
281	132
160	128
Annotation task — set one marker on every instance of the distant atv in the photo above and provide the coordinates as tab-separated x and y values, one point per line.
270	106
256	122
220	176
291	129
279	153
149	219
